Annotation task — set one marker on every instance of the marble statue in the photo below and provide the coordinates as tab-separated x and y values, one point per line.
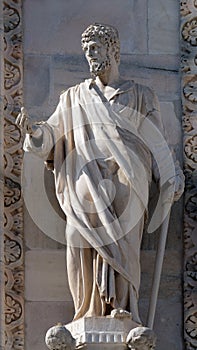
99	143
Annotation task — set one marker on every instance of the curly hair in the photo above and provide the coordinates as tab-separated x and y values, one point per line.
107	34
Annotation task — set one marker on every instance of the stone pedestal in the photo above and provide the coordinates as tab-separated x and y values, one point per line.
101	332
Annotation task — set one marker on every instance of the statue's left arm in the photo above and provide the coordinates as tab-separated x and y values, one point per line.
153	114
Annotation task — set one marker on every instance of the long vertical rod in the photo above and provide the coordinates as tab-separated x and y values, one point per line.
157	271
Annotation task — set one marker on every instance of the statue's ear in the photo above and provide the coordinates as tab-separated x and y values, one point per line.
114	50
112	53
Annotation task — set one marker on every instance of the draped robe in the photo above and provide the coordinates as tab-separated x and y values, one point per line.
102	168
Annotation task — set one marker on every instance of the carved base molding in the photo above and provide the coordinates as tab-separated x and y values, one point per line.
189	102
98	333
13	204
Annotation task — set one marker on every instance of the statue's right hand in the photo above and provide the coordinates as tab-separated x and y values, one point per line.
23	122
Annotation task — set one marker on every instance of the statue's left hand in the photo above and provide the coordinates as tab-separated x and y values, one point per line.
179	182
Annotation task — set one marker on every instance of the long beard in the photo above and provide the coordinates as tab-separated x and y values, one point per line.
97	69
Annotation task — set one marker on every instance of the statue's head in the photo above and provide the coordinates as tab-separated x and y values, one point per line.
101	45
141	338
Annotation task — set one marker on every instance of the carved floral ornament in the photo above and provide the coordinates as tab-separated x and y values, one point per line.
13	309
13	210
189	120
12	75
189	101
187	6
189	31
11	17
191	148
189	90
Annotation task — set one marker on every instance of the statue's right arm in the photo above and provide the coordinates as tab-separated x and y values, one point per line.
26	125
38	138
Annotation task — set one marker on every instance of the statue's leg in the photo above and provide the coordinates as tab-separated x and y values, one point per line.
81	278
126	298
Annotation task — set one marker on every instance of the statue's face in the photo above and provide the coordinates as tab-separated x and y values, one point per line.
97	55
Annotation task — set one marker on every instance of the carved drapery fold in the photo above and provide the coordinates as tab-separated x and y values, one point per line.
13	205
189	102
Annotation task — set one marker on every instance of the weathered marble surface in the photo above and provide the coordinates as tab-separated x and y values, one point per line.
97	330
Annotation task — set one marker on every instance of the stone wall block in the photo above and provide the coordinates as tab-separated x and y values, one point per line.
46	278
163	26
37	81
168	323
39	197
165	83
171	281
63	21
40	316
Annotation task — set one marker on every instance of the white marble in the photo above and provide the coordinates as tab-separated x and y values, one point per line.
97	330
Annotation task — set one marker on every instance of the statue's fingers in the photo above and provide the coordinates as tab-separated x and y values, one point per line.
22	121
24	111
17	121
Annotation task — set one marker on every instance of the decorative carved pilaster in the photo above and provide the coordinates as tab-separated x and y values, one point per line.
189	101
13	205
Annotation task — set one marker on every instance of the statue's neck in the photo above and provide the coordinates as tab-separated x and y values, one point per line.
109	89
109	77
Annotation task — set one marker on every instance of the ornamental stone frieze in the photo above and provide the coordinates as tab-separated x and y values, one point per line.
189	103
13	205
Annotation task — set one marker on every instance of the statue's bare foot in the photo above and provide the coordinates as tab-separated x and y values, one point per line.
120	313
